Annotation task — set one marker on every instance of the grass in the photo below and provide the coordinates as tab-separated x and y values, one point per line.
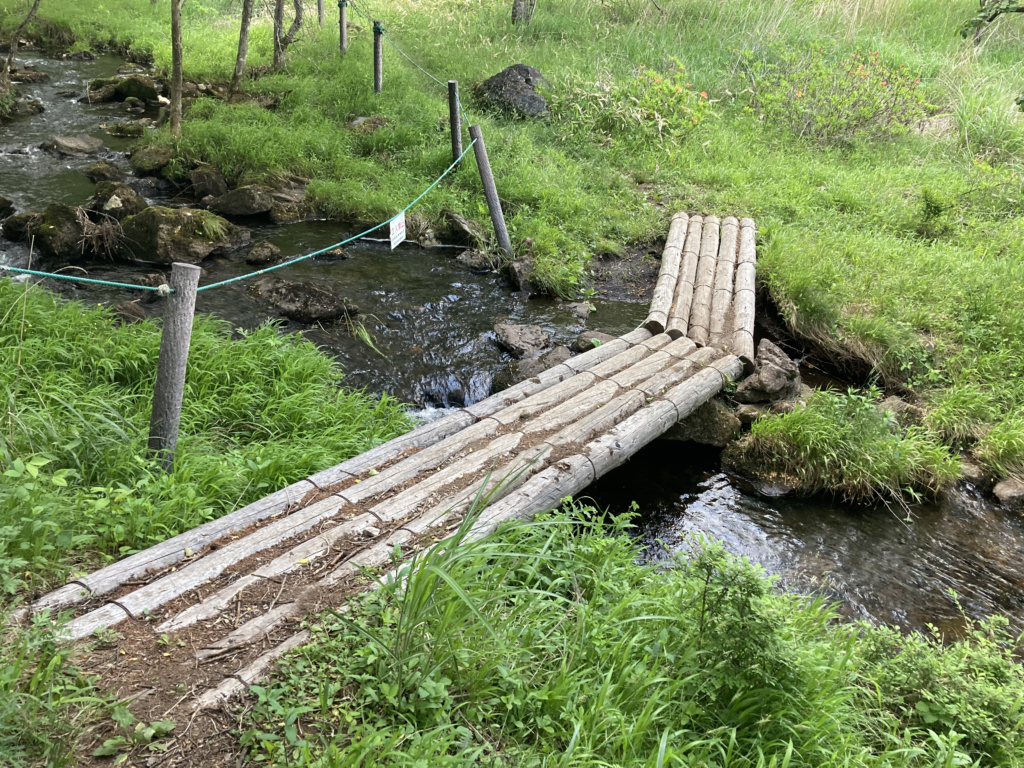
260	411
549	645
896	254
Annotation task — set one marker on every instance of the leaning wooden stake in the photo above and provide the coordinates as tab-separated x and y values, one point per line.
743	298
378	56
700	312
664	290
170	371
490	191
343	24
454	120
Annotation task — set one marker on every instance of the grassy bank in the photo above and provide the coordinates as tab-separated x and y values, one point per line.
548	645
260	411
898	254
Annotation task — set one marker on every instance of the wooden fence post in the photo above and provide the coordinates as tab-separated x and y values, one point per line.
170	371
343	24
490	191
454	119
378	56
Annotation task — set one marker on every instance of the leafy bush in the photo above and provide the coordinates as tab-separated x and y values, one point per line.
809	93
649	107
846	444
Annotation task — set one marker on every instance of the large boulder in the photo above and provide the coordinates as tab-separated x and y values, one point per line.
112	198
20	226
207	180
6	207
73	145
1010	493
304	302
104	171
105	90
513	90
165	235
459	230
244	201
521	340
60	232
150	161
775	377
711	424
474	260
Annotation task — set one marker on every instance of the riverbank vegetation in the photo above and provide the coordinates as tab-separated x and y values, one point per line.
549	645
877	149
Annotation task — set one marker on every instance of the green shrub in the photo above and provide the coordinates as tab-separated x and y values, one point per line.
845	444
649	107
1003	447
807	91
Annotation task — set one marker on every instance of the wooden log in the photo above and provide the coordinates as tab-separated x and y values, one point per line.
490	192
703	287
664	290
679	316
343	25
744	295
703	385
721	301
254	629
374	557
309	550
670	377
593	357
545	400
572	409
109	615
252	673
638	336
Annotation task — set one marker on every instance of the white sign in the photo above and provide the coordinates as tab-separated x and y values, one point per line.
397	230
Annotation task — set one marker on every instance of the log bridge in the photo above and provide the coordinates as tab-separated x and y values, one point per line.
233	592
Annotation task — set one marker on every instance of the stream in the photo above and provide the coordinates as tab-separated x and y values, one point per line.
431	322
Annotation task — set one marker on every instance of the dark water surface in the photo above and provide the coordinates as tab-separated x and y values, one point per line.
431	320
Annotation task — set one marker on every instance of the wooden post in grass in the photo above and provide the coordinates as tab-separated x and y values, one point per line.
454	119
490	191
170	370
343	24
378	56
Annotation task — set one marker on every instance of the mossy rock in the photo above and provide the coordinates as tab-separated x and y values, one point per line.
19	227
59	232
137	87
126	130
150	161
118	200
165	235
104	171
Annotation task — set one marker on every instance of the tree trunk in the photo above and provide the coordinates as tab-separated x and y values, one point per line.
522	11
243	47
5	71
279	44
321	12
176	57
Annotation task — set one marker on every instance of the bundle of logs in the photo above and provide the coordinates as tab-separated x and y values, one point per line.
523	450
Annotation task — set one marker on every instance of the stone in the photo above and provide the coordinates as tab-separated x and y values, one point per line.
67	94
73	145
1010	493
474	260
711	424
459	230
581	309
126	130
513	91
286	213
60	232
165	235
29	76
104	171
906	414
6	207
129	312
207	180
521	370
748	413
33	107
975	474
137	87
116	199
262	253
244	201
519	274
19	226
586	341
418	230
151	160
304	302
775	377
521	340
104	94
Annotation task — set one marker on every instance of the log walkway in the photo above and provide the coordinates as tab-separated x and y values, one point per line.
232	592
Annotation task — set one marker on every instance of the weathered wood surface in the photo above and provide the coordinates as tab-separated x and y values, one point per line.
721	301
743	300
249	674
679	317
703	288
664	290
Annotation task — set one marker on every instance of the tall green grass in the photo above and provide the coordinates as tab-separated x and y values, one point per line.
260	411
549	645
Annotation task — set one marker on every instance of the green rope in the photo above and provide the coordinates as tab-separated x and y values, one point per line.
71	278
343	242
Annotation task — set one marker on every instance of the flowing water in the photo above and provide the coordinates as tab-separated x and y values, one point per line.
431	322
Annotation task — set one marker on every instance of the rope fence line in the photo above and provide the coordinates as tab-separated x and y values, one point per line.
162	290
